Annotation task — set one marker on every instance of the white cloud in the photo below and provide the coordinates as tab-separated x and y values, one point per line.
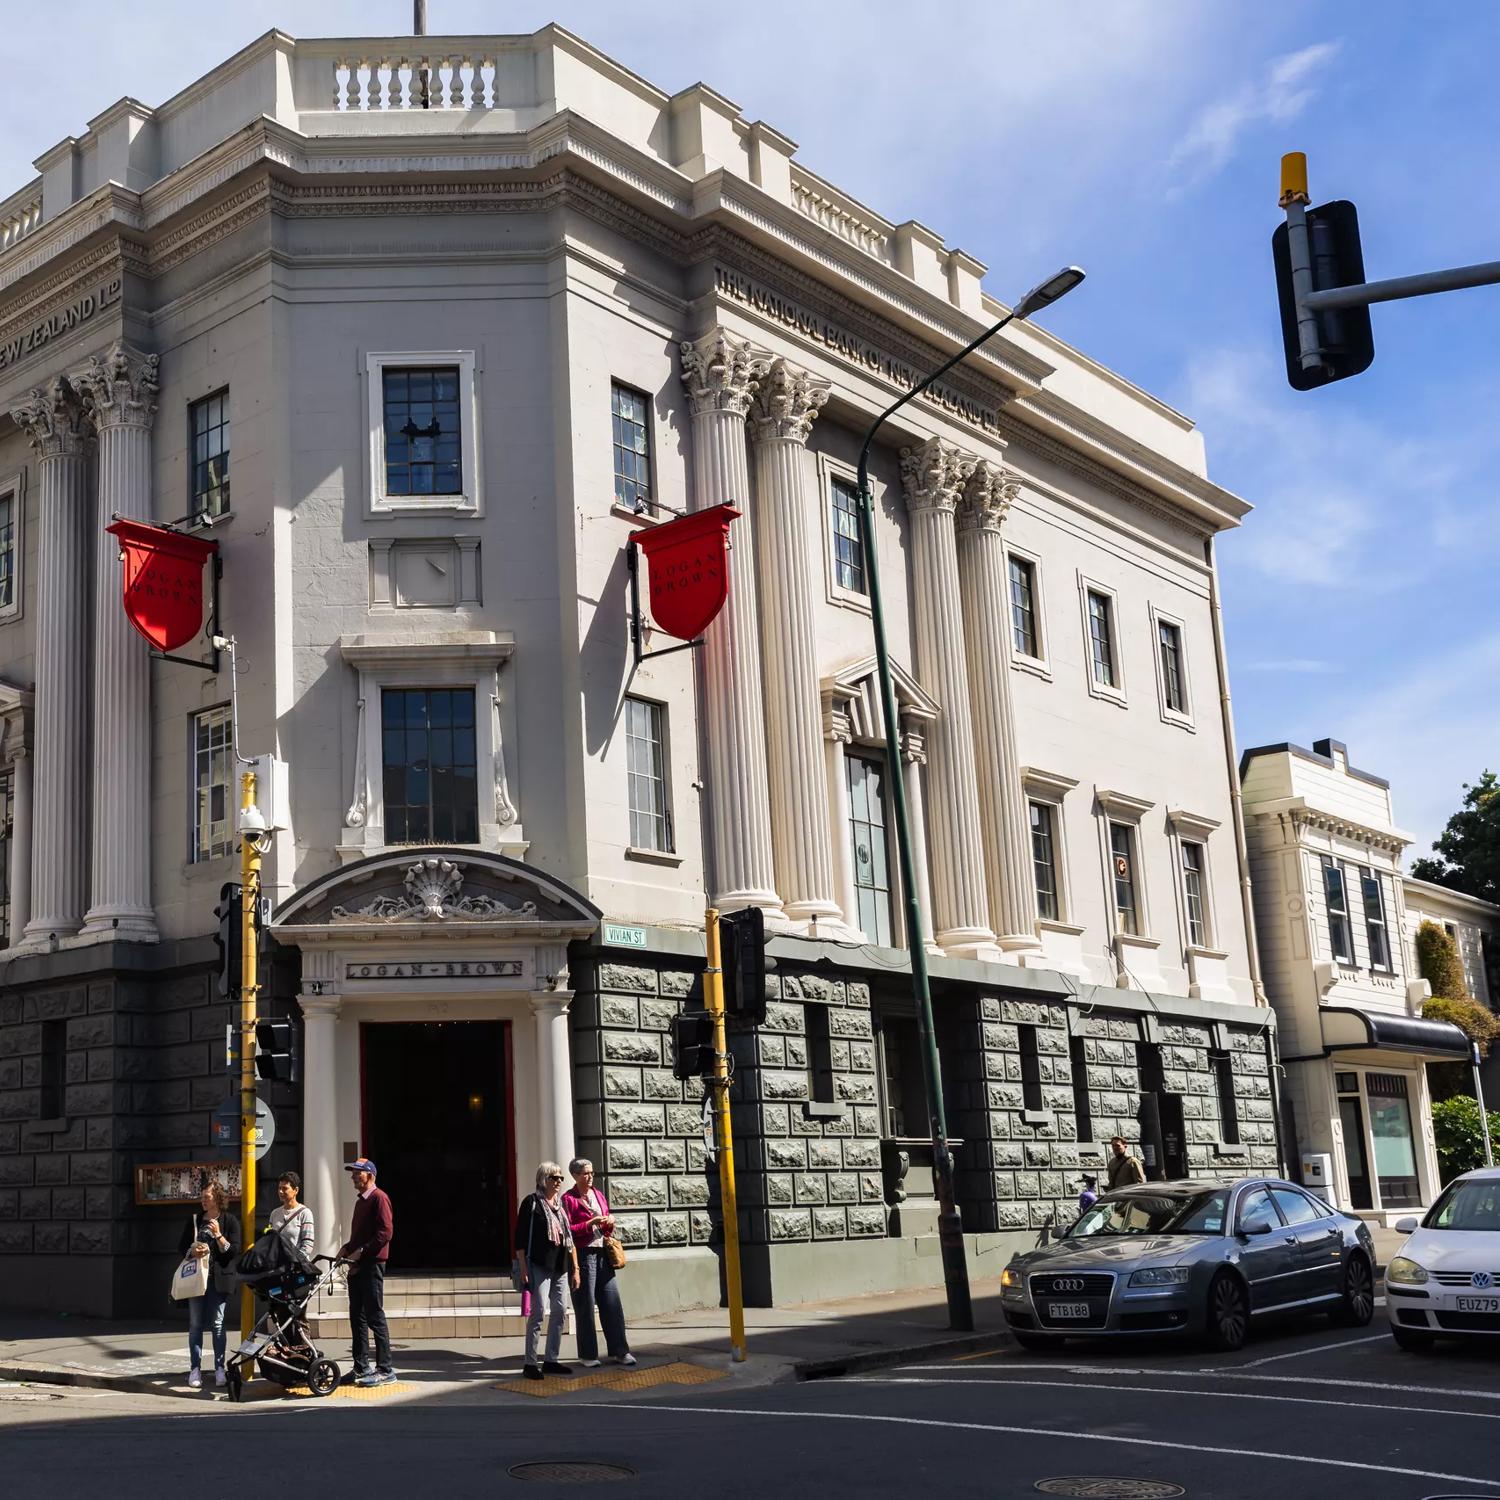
1284	91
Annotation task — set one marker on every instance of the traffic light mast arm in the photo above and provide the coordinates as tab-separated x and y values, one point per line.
1392	290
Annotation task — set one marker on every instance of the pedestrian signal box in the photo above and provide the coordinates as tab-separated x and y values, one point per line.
742	946
692	1044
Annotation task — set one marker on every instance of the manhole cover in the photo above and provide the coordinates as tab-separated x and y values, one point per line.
568	1472
1110	1489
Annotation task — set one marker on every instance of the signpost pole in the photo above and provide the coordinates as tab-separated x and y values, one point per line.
249	986
1484	1119
713	1001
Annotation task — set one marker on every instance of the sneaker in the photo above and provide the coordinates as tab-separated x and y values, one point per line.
386	1377
220	1378
552	1367
532	1372
591	1364
195	1379
626	1359
369	1378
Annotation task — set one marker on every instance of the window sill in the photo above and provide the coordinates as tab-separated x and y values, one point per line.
1036	1117
1237	1153
1197	950
1178	721
637	517
1135	940
820	1109
1033	664
1069	929
848	599
1106	694
406	506
653	856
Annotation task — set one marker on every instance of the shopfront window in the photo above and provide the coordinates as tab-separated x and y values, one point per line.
1395	1152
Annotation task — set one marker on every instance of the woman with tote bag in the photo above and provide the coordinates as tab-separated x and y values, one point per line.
212	1235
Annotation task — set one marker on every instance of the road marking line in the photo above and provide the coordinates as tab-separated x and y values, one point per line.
1071	1435
1166	1390
981	1354
1271	1359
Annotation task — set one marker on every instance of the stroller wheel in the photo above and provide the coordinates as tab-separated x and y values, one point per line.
236	1383
323	1378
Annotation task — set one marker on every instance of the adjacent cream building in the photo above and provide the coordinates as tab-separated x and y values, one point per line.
422	333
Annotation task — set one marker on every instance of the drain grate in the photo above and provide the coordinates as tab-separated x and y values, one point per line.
1110	1489
566	1471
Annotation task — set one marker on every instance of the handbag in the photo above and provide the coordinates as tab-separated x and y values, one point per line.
517	1280
614	1251
190	1279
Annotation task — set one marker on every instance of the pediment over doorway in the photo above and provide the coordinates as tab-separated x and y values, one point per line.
852	708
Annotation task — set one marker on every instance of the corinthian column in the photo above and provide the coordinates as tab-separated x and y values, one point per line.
720	374
934	476
54	419
781	416
120	391
1003	822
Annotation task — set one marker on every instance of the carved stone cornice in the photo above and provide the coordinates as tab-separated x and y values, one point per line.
53	417
934	475
120	388
721	373
786	403
988	497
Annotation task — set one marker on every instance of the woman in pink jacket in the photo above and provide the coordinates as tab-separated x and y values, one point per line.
590	1220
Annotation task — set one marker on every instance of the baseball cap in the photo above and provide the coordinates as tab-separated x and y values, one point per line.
364	1164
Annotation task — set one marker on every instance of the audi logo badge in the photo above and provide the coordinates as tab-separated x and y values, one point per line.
1067	1284
1482	1279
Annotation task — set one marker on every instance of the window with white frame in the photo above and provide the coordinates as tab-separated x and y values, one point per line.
630	430
213	789
423	444
429	760
208	448
1101	634
1336	898
646	772
1194	896
1025	632
1122	854
846	532
869	846
1044	860
12	513
1172	669
1045	792
1376	931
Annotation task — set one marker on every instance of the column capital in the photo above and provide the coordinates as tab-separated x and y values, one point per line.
119	388
721	373
54	418
934	475
319	1006
550	1002
786	403
988	496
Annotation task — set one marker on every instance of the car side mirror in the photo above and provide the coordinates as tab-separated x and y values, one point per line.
1408	1225
1256	1226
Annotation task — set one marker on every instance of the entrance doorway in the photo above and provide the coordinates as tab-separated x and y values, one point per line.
436	1122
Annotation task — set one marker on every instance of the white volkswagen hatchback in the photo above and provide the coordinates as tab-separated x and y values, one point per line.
1445	1283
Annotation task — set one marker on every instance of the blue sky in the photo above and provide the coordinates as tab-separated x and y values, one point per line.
1142	141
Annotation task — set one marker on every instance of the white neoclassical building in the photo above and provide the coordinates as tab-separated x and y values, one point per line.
422	333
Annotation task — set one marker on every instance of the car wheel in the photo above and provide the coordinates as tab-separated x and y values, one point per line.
1410	1338
1036	1342
1357	1305
1228	1319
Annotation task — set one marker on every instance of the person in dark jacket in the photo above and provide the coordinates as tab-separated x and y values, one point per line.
544	1246
368	1248
213	1232
1123	1169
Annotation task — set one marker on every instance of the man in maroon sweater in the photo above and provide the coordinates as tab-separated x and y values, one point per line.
368	1248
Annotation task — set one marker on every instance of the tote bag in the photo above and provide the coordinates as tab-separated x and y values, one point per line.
190	1279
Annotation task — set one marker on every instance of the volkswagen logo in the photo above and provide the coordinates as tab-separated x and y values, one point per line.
1074	1284
1481	1278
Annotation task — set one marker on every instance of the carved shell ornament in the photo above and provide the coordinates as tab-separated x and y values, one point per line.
433	894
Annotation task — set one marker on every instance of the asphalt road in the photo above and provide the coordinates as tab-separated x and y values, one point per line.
1303	1411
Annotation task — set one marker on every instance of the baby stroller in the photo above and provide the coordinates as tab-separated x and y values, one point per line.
280	1342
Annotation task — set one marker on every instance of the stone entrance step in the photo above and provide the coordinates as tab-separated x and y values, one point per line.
427	1307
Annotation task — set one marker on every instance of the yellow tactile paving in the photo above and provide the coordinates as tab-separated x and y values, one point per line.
679	1372
266	1390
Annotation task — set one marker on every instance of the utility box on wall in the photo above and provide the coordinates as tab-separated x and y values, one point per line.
1317	1175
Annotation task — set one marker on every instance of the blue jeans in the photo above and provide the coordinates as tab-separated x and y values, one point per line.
597	1287
206	1310
546	1302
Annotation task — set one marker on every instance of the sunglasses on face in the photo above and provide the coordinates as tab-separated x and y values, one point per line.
554	1178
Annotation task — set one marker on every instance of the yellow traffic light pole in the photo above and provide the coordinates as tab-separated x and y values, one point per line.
713	1001
250	855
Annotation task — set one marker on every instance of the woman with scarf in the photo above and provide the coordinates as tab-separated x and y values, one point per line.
544	1244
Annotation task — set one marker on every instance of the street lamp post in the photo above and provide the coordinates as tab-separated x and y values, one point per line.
950	1227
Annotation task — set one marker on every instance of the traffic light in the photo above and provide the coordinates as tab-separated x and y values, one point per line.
742	948
1345	341
692	1044
228	939
276	1051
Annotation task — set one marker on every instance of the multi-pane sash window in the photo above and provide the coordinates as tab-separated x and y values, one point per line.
867	833
7	551
1023	606
1122	863
213	775
1044	860
848	538
422	437
1375	928
1192	894
1169	640
1340	939
1102	639
646	764
431	777
208	436
630	421
7	816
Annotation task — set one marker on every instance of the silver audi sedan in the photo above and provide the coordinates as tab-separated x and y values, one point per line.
1202	1259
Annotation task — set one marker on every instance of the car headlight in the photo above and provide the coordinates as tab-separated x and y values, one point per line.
1160	1276
1010	1281
1405	1272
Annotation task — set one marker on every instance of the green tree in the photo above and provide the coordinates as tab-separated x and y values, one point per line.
1439	964
1468	849
1460	1140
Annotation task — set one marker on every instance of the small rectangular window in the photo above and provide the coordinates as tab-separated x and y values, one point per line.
1122	863
208	465
646	768
1083	1115
1192	894
7	819
1229	1119
1044	861
869	849
1173	690
1375	928
7	553
1031	1068
848	537
1023	606
819	1055
1340	940
429	767
423	453
52	1076
630	420
213	790
1102	639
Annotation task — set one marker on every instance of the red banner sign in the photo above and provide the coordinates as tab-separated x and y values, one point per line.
163	581
689	569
